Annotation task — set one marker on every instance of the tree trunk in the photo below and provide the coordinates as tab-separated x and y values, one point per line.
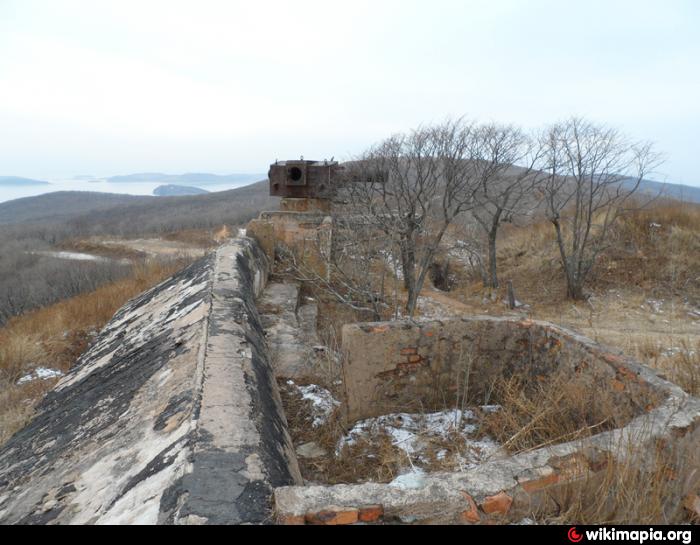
574	288
493	272
408	265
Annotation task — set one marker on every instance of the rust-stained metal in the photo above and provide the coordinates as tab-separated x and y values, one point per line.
304	179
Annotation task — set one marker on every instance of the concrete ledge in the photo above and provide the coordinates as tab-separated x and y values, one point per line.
172	416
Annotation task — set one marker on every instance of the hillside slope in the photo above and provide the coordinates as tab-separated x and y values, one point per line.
91	213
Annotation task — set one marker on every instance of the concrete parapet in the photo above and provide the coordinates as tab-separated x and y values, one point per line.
171	416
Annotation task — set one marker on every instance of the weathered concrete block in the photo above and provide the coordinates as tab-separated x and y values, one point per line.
307	234
172	416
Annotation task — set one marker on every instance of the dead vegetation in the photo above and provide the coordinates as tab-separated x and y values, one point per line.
644	293
641	488
540	413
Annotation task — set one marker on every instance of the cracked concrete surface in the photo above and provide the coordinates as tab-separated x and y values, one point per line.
172	416
290	329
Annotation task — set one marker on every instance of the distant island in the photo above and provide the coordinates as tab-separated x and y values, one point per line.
177	191
186	179
16	181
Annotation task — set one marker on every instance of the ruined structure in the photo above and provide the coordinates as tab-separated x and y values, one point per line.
303	224
173	415
403	366
304	179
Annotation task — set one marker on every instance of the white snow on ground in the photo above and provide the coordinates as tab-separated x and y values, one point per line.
410	480
414	433
655	305
322	401
674	351
74	256
393	263
693	312
78	256
40	373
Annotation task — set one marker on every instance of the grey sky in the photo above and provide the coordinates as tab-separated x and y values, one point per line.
105	87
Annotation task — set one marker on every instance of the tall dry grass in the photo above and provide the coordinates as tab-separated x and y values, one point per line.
55	336
535	414
635	487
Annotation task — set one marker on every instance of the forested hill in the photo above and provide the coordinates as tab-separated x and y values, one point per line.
99	213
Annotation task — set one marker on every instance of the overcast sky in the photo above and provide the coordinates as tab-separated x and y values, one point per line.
112	87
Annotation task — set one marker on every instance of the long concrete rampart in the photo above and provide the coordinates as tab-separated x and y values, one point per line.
172	416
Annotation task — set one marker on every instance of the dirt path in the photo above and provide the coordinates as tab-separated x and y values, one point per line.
654	331
156	247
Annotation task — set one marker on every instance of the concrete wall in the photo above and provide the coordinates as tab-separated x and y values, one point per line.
308	234
172	416
414	366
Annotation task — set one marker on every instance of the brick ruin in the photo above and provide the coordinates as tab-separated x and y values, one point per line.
417	365
400	365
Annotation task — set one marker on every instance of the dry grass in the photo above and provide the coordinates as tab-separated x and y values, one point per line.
96	247
535	414
656	248
56	335
640	488
684	368
200	238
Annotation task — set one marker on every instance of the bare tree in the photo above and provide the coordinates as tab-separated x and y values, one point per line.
412	186
506	191
591	172
350	269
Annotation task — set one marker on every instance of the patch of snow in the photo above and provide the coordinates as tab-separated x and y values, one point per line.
393	263
415	433
80	256
526	522
40	373
674	351
694	313
409	481
655	305
322	401
242	232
